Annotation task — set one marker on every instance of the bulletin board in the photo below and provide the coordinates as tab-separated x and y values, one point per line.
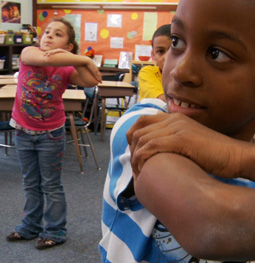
105	1
134	28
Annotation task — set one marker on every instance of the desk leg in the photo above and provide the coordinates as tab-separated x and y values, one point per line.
102	121
95	115
75	139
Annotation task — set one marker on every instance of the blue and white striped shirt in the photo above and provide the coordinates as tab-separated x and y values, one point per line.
131	233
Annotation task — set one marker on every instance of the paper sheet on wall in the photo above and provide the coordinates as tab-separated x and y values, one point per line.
114	20
91	31
117	42
76	22
142	50
149	25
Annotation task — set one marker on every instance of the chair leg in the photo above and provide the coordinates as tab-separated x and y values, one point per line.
92	148
98	121
6	142
83	143
74	136
103	119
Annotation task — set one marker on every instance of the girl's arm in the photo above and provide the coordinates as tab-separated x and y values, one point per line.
209	219
86	73
88	76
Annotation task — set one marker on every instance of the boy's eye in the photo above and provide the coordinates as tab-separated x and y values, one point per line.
218	55
177	43
161	51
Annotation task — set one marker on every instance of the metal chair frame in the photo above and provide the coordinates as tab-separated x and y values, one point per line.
82	125
7	130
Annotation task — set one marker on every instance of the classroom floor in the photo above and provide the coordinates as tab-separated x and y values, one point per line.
84	203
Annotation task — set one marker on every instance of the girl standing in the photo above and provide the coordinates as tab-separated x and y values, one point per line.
38	116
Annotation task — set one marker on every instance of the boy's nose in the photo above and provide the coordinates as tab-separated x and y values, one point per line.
187	70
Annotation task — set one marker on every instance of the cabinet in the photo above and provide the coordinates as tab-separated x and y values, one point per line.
8	51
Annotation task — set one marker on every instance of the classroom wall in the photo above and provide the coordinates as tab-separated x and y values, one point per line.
26	15
136	28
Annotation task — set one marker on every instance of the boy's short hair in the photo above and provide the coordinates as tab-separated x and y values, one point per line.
164	30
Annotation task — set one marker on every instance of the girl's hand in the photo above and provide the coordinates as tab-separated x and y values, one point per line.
54	51
177	133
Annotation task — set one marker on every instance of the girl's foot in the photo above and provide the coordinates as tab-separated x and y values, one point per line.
43	243
14	236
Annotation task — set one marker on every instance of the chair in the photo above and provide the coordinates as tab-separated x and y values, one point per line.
6	129
110	107
82	123
114	107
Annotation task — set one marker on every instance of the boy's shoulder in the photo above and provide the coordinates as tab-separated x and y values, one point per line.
149	69
146	104
144	107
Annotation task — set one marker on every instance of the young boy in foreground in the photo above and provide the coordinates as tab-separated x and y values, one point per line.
191	196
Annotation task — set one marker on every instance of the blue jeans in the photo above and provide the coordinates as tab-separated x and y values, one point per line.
40	158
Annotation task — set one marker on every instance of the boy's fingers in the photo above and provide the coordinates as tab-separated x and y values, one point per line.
142	122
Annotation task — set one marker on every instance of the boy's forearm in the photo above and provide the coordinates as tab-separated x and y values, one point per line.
248	162
199	211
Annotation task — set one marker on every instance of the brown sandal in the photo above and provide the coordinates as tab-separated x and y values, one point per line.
14	236
43	243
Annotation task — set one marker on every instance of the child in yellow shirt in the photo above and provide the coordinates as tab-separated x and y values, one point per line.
150	77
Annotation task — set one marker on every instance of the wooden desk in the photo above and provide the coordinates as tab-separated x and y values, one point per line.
105	71
7	81
7	77
112	89
72	99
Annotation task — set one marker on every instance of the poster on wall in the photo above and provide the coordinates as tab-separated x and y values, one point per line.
10	12
105	1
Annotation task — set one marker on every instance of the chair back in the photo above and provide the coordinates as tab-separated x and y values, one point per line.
91	96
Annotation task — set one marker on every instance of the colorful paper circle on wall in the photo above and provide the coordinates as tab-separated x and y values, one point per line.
39	30
68	11
45	14
134	16
131	34
100	11
41	18
104	33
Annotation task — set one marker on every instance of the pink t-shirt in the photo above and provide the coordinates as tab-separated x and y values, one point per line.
38	104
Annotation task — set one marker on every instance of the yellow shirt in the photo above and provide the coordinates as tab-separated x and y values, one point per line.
150	82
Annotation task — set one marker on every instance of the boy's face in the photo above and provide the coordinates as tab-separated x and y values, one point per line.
161	45
209	72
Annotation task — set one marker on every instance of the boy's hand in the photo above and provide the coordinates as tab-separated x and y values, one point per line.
177	133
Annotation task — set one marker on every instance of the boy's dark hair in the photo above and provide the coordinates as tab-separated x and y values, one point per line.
164	30
71	33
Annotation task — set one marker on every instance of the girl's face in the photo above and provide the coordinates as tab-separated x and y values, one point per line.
209	73
161	45
55	36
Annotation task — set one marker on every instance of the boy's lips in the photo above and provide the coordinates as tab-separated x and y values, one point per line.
183	106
